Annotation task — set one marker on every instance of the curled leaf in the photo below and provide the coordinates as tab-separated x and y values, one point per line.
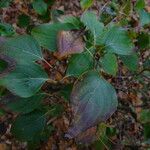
93	101
69	43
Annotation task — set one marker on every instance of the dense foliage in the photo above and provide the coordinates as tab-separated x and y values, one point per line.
95	45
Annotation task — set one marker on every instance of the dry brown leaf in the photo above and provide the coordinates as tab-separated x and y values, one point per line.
88	136
3	147
137	102
148	9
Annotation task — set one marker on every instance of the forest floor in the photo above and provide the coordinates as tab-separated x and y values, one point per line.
133	94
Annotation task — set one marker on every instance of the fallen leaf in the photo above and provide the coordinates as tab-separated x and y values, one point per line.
148	9
3	147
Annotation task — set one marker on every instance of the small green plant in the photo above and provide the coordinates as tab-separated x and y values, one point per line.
94	44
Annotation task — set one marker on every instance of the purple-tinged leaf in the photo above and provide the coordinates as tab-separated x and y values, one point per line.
93	101
69	43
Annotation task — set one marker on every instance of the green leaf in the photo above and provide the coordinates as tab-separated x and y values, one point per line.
109	63
105	133
108	13
144	40
127	8
4	3
144	17
2	112
85	4
66	91
145	116
103	141
3	65
140	4
6	29
23	20
3	92
78	64
56	14
56	110
130	61
40	6
47	132
26	80
27	127
73	21
22	48
91	22
146	64
116	40
147	131
46	34
45	135
26	105
93	100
